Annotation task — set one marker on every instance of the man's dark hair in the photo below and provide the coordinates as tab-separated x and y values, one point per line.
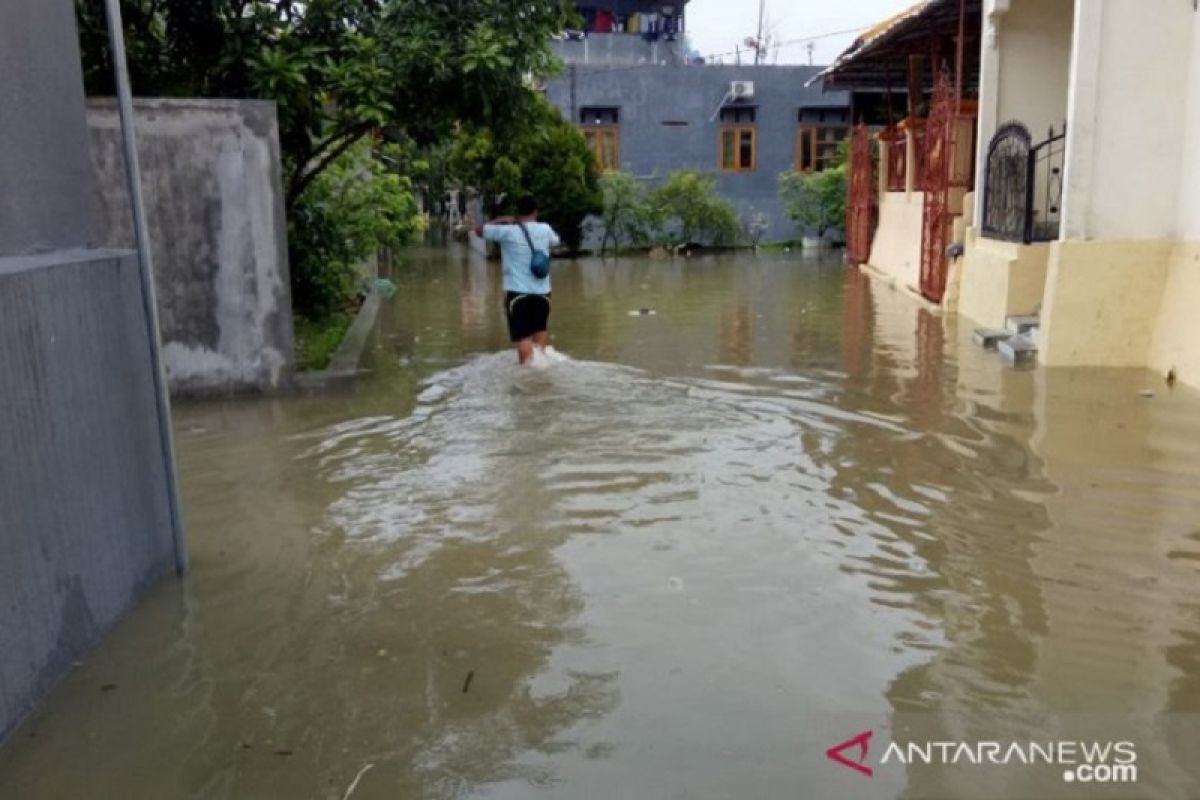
526	205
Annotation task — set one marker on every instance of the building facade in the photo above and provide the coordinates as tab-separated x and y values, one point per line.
743	124
1100	232
910	186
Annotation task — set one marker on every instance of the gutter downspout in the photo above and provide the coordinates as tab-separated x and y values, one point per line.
146	274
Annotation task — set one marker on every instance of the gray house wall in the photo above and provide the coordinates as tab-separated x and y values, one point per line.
619	49
214	202
84	508
43	146
84	519
648	96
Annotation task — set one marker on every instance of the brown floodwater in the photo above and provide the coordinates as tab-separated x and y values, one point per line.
681	559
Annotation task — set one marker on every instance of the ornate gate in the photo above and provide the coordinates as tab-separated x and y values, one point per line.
860	211
939	144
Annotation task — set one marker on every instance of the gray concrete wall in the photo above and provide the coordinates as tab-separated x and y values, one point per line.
619	49
84	520
43	147
214	203
651	95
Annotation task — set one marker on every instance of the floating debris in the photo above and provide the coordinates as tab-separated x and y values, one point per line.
467	682
643	312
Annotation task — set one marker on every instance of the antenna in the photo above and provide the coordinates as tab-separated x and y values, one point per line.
762	8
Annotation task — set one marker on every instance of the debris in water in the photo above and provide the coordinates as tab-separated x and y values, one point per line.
108	687
354	783
467	682
1146	393
283	752
675	583
1171	377
643	312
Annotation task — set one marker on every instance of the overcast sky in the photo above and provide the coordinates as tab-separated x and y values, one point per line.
718	26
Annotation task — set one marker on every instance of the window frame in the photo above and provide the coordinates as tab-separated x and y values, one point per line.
595	136
806	133
737	130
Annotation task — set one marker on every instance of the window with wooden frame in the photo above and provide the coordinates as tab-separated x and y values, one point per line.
738	140
817	146
605	144
600	128
739	148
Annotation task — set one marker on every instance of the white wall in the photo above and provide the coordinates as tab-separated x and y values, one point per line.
1035	60
1125	154
1025	70
1189	187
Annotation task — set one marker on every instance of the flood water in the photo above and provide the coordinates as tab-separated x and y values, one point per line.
681	560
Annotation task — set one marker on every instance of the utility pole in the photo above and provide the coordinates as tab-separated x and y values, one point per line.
812	46
758	40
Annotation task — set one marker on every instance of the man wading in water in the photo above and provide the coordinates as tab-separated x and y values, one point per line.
525	246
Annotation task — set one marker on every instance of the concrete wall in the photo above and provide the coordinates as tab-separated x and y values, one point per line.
1035	59
649	96
84	521
1176	342
896	248
618	49
1000	279
1124	144
1102	302
43	149
211	175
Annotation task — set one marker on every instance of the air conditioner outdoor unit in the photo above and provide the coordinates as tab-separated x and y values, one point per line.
741	90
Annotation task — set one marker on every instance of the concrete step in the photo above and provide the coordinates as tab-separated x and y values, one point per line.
988	338
1018	351
1021	323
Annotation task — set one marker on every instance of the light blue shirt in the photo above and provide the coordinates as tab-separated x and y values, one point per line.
514	253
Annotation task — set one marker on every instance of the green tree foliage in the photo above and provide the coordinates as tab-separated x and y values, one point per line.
351	210
686	208
625	215
816	201
543	155
338	69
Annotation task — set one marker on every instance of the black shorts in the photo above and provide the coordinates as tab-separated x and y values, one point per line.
527	314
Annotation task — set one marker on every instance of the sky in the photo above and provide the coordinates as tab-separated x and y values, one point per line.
719	26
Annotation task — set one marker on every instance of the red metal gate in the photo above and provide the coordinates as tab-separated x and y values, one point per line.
860	211
939	144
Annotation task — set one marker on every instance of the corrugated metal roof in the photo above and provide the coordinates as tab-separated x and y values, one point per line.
876	43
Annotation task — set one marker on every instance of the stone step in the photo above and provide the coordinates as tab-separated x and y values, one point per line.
1019	351
1021	323
988	338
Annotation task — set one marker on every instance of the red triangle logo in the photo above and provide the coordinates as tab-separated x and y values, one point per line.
862	743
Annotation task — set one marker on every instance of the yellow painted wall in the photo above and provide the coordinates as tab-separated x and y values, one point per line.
1176	342
1000	279
1102	302
896	250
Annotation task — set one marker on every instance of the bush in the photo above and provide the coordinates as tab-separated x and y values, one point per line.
350	211
625	216
816	202
686	208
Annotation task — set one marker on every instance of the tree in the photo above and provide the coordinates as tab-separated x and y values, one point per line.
625	211
338	69
350	211
686	208
545	156
816	202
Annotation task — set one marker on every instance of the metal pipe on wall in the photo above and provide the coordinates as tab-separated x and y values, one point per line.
116	39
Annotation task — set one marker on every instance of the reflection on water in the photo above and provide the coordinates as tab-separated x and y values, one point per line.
681	559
